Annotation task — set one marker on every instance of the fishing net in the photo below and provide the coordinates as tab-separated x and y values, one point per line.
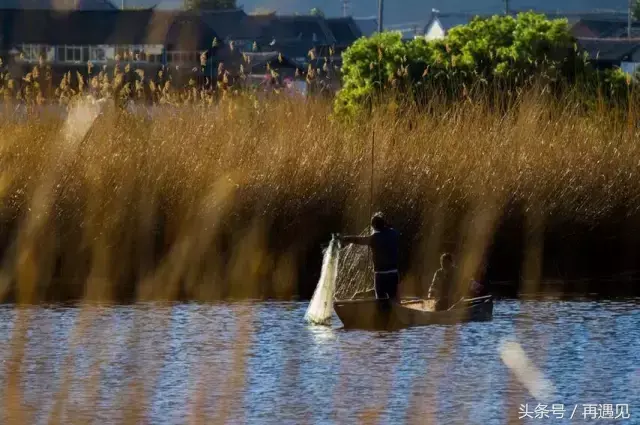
345	274
355	276
321	307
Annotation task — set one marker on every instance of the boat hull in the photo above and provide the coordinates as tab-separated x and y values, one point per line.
386	315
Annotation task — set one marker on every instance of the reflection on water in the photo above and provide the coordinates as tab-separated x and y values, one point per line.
262	363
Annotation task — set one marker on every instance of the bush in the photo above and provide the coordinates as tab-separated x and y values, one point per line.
367	67
500	52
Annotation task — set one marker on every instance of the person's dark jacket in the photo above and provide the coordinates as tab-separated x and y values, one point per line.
384	246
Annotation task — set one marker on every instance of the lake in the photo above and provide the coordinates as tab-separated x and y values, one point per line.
259	362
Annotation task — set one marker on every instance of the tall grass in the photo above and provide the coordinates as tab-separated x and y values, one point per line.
234	200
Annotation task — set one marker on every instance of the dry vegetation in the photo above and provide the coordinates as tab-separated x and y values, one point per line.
235	200
216	194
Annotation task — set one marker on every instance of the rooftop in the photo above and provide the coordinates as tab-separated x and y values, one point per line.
609	49
84	27
344	30
58	4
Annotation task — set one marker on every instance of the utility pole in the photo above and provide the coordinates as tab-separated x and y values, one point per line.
507	11
380	15
629	15
345	8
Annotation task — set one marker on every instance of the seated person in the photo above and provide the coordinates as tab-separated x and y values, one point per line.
442	286
444	290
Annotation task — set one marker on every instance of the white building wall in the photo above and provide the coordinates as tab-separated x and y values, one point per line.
97	54
435	31
630	67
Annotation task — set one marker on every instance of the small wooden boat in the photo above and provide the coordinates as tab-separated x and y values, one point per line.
387	315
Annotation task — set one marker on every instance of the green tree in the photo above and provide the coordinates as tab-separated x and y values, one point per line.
316	12
367	66
501	50
209	4
636	10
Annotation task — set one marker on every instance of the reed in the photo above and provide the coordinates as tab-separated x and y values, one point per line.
233	200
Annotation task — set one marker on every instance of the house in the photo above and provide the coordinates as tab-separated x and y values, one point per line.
606	53
367	25
68	38
600	28
310	29
293	36
408	30
345	31
594	24
582	24
440	23
58	5
77	37
231	25
597	24
258	64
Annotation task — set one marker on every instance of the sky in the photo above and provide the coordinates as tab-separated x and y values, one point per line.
402	11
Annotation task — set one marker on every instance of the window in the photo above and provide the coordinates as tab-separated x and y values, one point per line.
123	52
32	52
181	57
139	53
60	54
73	54
97	54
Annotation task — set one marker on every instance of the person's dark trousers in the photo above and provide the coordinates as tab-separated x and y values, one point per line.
386	285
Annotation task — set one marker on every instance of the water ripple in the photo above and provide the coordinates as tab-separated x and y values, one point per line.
261	363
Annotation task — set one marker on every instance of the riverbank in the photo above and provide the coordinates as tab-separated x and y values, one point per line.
199	205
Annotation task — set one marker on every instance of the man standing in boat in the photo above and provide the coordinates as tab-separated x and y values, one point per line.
384	247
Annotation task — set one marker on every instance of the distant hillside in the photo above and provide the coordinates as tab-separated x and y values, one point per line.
401	11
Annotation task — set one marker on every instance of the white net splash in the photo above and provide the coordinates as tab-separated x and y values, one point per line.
321	306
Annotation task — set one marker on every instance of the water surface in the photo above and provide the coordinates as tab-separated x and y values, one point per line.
260	363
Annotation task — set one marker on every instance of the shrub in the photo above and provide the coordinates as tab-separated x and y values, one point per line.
500	52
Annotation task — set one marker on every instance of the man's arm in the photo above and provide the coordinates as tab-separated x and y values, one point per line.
357	240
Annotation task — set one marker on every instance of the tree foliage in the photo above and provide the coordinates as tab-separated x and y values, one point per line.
209	4
501	51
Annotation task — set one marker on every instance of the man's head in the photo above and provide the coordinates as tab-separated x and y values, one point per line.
378	222
446	261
